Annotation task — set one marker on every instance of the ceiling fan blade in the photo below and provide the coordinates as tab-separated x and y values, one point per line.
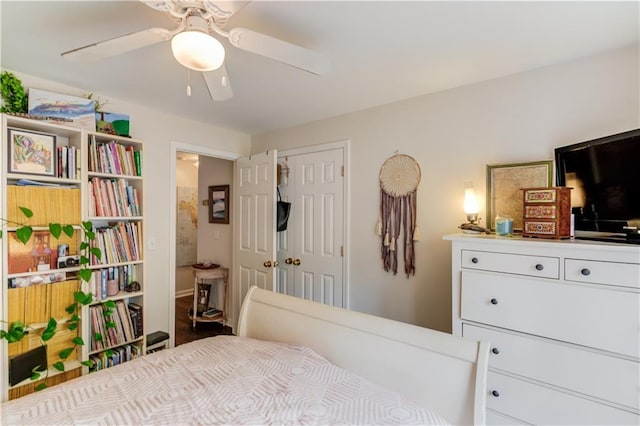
217	82
279	50
118	45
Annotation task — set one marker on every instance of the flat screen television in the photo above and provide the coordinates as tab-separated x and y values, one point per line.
605	176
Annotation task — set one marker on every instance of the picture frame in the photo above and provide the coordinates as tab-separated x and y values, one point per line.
31	152
219	204
504	188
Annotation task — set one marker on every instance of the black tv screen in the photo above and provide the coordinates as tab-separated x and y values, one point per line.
605	176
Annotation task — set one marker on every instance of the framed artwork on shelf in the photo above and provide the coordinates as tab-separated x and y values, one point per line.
31	152
219	204
504	188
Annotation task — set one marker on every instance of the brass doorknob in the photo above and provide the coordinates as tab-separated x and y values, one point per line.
296	262
267	264
288	261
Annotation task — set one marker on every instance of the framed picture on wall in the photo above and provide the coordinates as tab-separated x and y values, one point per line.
32	152
504	188
219	204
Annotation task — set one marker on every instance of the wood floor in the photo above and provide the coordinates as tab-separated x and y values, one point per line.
185	332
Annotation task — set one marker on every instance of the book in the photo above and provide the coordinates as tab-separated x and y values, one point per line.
211	313
135	311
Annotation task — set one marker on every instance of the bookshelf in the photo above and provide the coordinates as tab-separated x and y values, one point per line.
77	176
114	207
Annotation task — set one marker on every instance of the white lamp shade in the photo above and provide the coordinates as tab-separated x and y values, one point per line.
471	205
197	50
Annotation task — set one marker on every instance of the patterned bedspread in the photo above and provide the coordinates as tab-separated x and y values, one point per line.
219	380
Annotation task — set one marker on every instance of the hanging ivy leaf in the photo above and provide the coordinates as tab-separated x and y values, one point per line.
78	341
97	337
64	354
68	230
25	211
110	304
110	324
58	366
88	363
55	229
96	252
41	386
73	326
50	331
85	274
16	332
24	233
71	308
84	245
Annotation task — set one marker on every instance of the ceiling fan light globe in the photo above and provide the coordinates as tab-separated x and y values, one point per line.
197	50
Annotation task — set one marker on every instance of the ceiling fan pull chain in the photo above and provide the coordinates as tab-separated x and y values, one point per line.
188	82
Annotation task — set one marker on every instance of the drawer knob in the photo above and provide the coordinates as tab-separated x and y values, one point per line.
494	301
585	271
474	260
496	351
539	267
495	393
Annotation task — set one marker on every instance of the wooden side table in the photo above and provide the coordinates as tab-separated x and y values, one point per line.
209	277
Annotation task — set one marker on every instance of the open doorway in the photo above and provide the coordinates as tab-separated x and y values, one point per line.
194	238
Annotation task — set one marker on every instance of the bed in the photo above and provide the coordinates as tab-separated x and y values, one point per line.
293	362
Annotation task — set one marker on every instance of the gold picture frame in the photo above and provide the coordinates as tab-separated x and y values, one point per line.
504	188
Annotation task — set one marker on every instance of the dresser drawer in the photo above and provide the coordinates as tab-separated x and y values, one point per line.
541	405
609	378
535	266
584	315
612	273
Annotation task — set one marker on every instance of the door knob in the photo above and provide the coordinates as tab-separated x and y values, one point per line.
267	264
275	263
296	262
288	261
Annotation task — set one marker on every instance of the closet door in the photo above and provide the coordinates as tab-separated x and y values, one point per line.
311	261
254	208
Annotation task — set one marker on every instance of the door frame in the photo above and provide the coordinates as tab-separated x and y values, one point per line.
191	149
345	145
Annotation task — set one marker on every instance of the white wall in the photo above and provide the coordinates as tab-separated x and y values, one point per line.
214	239
454	134
157	130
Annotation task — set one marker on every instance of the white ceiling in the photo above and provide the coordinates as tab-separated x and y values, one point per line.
380	52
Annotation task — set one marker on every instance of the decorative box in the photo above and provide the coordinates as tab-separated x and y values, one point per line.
547	212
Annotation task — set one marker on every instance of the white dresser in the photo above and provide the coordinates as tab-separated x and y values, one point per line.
563	320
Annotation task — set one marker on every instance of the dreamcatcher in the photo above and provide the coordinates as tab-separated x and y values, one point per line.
399	179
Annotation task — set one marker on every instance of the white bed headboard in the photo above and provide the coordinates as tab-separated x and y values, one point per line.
442	372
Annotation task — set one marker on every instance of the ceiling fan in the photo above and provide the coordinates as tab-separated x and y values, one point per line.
194	46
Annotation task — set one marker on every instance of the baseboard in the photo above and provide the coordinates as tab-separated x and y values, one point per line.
184	293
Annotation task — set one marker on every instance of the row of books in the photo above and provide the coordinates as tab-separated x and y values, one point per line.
112	157
48	204
113	197
39	303
124	275
127	319
117	356
118	243
68	162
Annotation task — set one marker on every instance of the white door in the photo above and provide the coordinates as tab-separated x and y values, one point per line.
310	251
254	257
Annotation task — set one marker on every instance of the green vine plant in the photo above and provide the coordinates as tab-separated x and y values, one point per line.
16	330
